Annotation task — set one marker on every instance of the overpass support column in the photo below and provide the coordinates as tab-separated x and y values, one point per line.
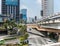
59	38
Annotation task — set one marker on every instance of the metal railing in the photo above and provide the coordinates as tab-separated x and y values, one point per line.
54	44
10	45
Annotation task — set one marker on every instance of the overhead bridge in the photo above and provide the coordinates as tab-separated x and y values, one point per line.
50	24
41	28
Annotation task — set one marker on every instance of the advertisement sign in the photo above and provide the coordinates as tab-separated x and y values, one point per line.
11	2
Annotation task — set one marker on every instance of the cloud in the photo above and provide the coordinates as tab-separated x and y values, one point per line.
39	2
23	7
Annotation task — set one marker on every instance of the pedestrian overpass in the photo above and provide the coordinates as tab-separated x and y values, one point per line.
48	24
41	28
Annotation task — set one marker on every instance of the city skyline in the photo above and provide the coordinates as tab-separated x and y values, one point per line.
47	7
24	14
33	7
11	8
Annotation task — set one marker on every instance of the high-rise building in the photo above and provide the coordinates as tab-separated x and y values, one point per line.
42	13
47	7
35	18
24	14
11	8
21	16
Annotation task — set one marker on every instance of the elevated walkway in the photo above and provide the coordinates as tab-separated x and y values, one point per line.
40	28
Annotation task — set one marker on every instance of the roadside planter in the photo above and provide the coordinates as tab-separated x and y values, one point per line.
2	41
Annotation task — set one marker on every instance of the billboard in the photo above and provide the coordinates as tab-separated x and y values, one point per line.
11	2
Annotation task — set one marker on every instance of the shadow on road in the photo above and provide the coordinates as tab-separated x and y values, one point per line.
36	34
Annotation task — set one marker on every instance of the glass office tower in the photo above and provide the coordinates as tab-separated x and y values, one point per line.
24	14
11	8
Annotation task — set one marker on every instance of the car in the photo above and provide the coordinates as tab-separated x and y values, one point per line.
49	42
30	29
26	41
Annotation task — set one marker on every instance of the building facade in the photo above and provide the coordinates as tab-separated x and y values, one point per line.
42	13
47	7
3	18
24	14
11	8
21	16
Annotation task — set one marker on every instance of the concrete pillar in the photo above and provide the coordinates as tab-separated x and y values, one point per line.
59	38
48	33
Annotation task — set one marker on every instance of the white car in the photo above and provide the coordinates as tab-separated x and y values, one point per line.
49	41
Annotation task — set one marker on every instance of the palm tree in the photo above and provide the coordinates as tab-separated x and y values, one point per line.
9	25
6	24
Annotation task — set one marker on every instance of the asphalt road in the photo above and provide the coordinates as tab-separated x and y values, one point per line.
35	38
13	41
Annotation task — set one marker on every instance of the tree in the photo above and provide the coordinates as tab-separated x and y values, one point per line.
10	25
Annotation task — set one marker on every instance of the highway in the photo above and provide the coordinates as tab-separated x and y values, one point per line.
35	38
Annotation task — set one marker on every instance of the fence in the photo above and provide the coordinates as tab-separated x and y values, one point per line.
54	44
10	45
